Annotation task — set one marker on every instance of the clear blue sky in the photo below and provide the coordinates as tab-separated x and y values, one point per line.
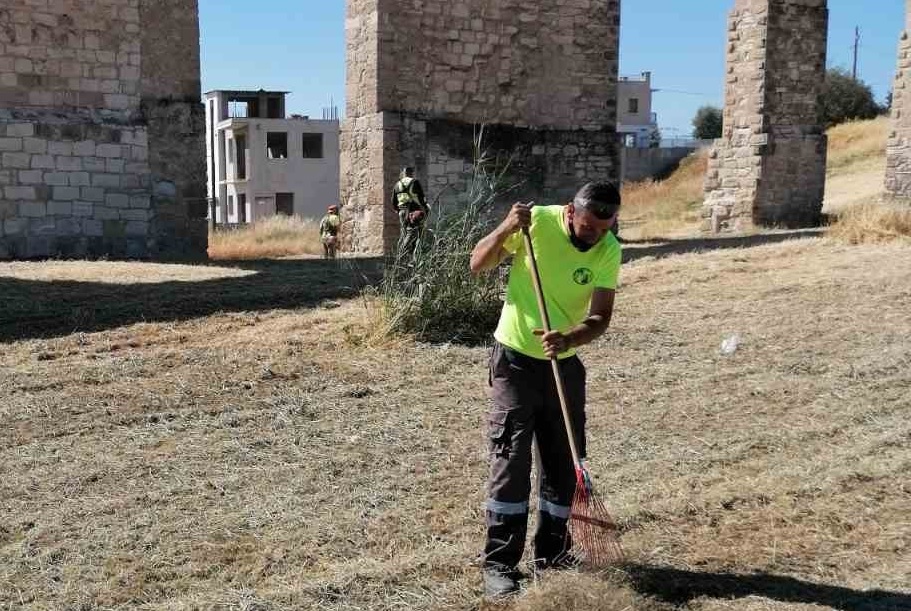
299	46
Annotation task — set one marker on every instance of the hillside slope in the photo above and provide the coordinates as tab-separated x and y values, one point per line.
671	208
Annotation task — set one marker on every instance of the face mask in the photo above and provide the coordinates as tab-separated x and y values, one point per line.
580	244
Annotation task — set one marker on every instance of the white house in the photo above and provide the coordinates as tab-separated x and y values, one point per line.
260	163
635	120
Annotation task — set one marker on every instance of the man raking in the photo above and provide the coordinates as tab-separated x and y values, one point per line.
579	260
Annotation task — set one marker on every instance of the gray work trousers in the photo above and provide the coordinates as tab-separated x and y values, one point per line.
526	408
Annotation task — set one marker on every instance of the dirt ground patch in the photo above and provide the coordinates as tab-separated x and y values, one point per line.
862	183
259	454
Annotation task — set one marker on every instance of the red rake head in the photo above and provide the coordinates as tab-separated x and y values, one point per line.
593	530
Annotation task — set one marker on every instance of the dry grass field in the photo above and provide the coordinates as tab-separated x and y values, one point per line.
230	437
276	236
665	208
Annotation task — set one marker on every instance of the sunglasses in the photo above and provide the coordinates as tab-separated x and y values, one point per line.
601	210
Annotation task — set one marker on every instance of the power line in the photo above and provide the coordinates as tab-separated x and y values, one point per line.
662	90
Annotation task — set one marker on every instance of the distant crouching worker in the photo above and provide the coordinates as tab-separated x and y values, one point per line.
328	232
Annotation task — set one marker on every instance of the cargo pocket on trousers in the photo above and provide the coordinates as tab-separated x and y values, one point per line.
499	434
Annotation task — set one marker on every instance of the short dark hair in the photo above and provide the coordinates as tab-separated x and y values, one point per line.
408	171
600	198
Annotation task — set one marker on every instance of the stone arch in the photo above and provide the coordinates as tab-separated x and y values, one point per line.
112	164
423	74
769	166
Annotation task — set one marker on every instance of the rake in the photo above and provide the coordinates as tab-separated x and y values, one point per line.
593	530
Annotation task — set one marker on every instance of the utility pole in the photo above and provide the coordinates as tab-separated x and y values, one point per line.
856	45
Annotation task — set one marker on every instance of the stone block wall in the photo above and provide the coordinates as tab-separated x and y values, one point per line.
367	171
72	188
543	165
541	77
100	129
768	168
898	146
63	53
547	64
361	57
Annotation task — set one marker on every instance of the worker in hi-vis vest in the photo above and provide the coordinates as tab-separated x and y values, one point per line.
408	201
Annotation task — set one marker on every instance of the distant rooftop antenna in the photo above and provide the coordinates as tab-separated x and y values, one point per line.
330	113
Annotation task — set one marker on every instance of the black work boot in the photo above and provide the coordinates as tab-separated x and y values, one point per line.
500	582
553	544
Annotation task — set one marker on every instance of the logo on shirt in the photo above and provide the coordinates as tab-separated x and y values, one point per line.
583	276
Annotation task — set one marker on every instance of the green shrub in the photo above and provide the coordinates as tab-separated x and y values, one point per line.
845	99
708	123
428	291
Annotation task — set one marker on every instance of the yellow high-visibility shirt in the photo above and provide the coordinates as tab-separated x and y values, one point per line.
568	279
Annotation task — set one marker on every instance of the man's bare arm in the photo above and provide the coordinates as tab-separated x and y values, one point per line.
489	252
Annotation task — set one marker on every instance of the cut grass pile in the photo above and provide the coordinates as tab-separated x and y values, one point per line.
230	437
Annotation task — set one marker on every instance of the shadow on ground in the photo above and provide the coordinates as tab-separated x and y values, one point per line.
679	587
31	309
635	249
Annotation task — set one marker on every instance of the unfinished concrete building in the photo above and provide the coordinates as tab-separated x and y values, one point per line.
423	75
898	147
101	129
769	166
262	163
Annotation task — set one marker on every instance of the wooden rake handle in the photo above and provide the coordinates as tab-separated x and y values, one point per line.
558	376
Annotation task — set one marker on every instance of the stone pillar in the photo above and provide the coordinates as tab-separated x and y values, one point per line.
898	147
768	168
422	78
172	109
99	132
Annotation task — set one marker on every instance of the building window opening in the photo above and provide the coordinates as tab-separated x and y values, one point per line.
274	108
240	146
231	210
634	106
313	146
277	145
239	109
241	207
284	203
